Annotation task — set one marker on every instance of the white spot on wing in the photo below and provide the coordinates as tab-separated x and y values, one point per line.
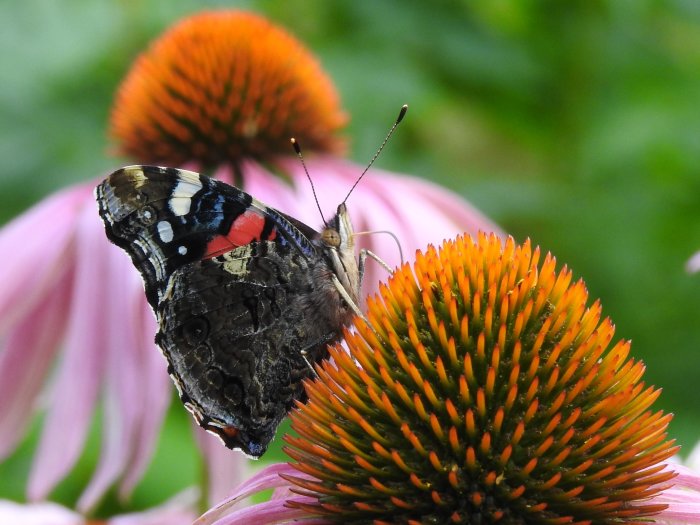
181	197
165	231
182	250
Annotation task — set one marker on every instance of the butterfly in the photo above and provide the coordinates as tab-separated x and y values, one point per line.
246	297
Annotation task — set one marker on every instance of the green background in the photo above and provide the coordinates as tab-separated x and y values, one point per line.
573	123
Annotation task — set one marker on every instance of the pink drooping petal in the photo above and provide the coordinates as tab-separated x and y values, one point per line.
267	478
225	468
682	509
270	513
179	510
687	478
436	208
80	373
278	193
122	384
12	513
683	498
35	246
154	393
25	360
176	511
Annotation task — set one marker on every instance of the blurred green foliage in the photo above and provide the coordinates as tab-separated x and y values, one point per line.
573	123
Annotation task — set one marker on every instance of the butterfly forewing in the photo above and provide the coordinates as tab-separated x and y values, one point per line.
165	218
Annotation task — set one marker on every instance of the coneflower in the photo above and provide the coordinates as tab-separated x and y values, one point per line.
221	87
483	388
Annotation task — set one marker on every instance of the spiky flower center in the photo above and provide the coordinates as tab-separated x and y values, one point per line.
483	390
220	86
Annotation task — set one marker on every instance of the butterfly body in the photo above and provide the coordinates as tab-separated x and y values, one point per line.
245	296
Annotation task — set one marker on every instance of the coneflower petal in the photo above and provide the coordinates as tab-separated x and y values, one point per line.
75	391
25	360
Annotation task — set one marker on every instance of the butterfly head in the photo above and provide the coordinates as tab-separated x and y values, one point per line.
338	240
338	233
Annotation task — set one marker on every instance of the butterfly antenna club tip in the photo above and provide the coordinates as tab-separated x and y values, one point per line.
402	114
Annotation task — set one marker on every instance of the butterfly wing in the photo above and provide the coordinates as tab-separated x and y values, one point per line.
231	282
165	218
238	340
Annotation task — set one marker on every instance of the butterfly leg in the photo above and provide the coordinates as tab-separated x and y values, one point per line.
341	290
364	253
305	352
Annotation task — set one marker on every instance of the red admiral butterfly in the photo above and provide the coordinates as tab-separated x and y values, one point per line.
245	296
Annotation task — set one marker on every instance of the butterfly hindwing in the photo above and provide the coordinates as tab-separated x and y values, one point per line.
232	329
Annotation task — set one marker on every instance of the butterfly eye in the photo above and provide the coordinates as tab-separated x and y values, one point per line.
331	237
196	330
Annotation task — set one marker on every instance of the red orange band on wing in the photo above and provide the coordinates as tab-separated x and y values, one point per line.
247	227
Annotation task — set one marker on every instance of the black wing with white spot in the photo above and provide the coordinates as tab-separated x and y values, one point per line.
165	218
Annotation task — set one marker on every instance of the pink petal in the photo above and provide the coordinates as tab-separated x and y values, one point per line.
416	211
122	399
74	393
436	204
12	513
155	394
225	468
270	513
176	511
280	194
687	478
679	513
36	245
683	499
267	478
26	359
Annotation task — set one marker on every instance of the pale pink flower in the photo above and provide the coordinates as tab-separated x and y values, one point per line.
75	329
69	288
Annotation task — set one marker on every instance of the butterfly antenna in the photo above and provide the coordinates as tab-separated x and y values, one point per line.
402	113
297	148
